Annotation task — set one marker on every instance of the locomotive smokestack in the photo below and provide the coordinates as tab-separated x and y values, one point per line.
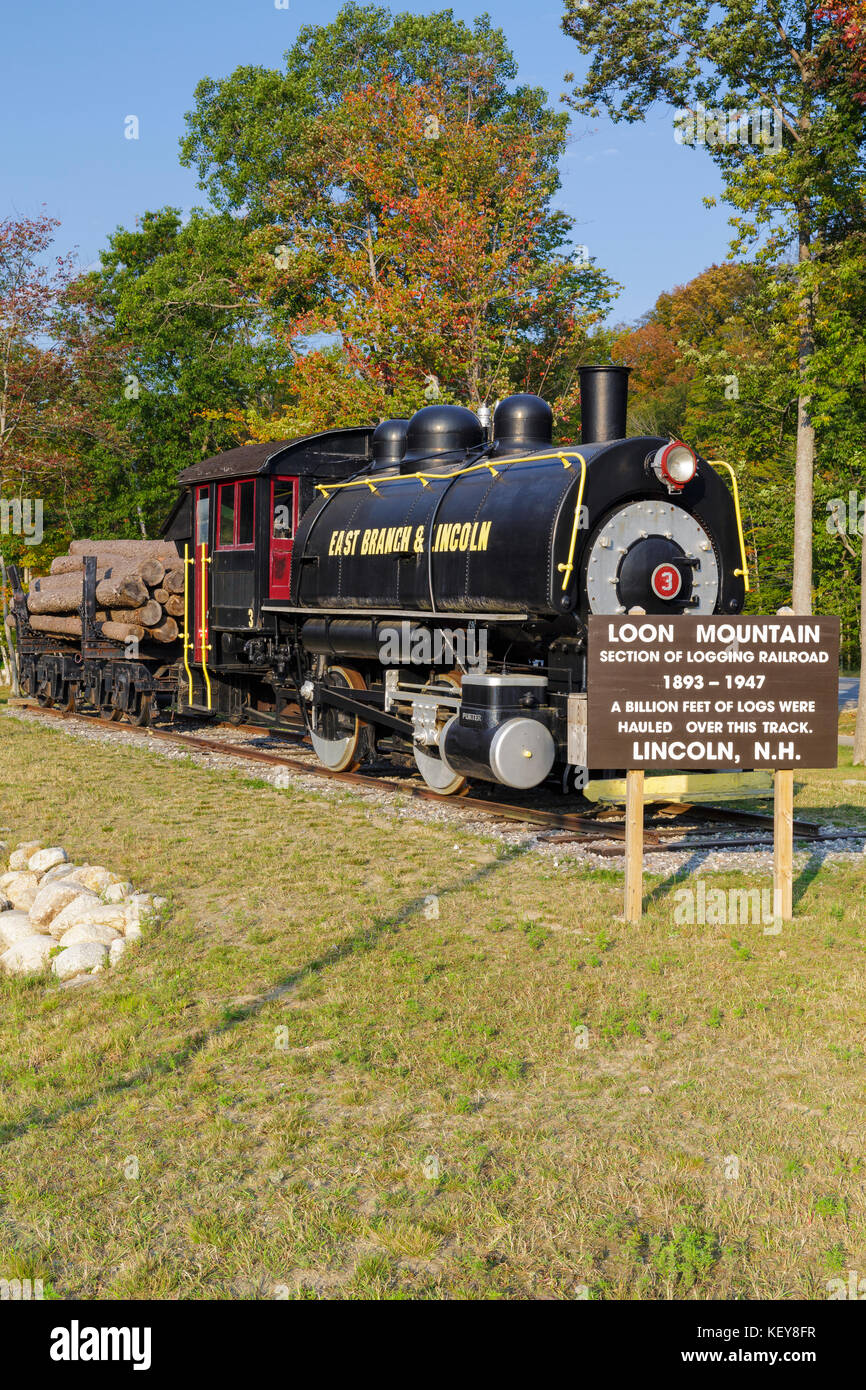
603	403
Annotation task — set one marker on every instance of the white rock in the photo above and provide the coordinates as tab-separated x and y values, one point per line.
73	913
140	908
107	915
116	892
51	899
90	931
22	891
86	958
60	871
116	950
160	905
45	859
14	927
6	879
88	914
28	956
133	932
20	856
95	877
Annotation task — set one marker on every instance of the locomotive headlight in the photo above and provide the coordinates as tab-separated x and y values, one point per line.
675	465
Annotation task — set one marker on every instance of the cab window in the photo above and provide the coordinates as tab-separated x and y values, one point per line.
237	515
283	528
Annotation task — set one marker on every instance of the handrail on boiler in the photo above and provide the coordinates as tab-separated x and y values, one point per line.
492	465
744	572
567	569
565	458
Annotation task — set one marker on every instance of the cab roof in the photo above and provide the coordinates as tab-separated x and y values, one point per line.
326	454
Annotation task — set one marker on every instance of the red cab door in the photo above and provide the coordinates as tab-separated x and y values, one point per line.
284	523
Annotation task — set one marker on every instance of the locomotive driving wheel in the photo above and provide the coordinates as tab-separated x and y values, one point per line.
337	735
438	776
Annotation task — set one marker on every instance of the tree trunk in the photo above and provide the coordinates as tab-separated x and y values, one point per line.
121	632
124	592
860	727
148	615
61	627
801	593
6	634
174	581
141	549
152	571
174	605
149	568
55	598
74	564
167	632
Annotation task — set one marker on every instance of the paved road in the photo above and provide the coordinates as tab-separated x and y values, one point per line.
849	688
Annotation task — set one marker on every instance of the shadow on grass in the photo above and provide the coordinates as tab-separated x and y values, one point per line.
801	884
178	1057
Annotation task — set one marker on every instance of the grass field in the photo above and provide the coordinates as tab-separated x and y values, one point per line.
328	1091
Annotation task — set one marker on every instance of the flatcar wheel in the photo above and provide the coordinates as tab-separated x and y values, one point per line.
337	739
140	714
438	776
44	701
110	711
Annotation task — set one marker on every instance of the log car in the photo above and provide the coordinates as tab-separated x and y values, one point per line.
84	665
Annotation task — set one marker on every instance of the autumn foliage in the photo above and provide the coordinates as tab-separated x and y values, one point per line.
437	269
844	49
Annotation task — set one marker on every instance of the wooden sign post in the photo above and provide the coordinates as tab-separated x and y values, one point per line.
783	845
633	846
691	694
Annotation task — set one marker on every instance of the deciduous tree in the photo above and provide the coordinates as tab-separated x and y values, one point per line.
732	57
444	270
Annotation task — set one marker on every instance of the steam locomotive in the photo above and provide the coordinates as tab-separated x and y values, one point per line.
421	589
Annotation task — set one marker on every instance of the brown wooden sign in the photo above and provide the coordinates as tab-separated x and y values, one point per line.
697	693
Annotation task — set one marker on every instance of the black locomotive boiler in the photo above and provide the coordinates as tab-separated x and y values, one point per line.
421	590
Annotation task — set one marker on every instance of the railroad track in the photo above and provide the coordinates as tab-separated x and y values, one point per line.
695	827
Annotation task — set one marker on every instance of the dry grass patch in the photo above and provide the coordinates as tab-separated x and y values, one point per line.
303	1082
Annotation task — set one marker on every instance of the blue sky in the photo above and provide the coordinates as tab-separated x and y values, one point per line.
71	73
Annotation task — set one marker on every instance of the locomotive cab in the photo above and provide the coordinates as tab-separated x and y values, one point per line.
237	518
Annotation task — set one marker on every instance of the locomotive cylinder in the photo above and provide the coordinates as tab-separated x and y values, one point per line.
501	733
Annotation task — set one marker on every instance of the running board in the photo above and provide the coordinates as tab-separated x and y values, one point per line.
685	786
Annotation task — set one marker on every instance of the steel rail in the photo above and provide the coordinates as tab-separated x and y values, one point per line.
585	830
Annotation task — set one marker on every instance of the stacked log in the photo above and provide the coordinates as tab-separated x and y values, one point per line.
139	591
